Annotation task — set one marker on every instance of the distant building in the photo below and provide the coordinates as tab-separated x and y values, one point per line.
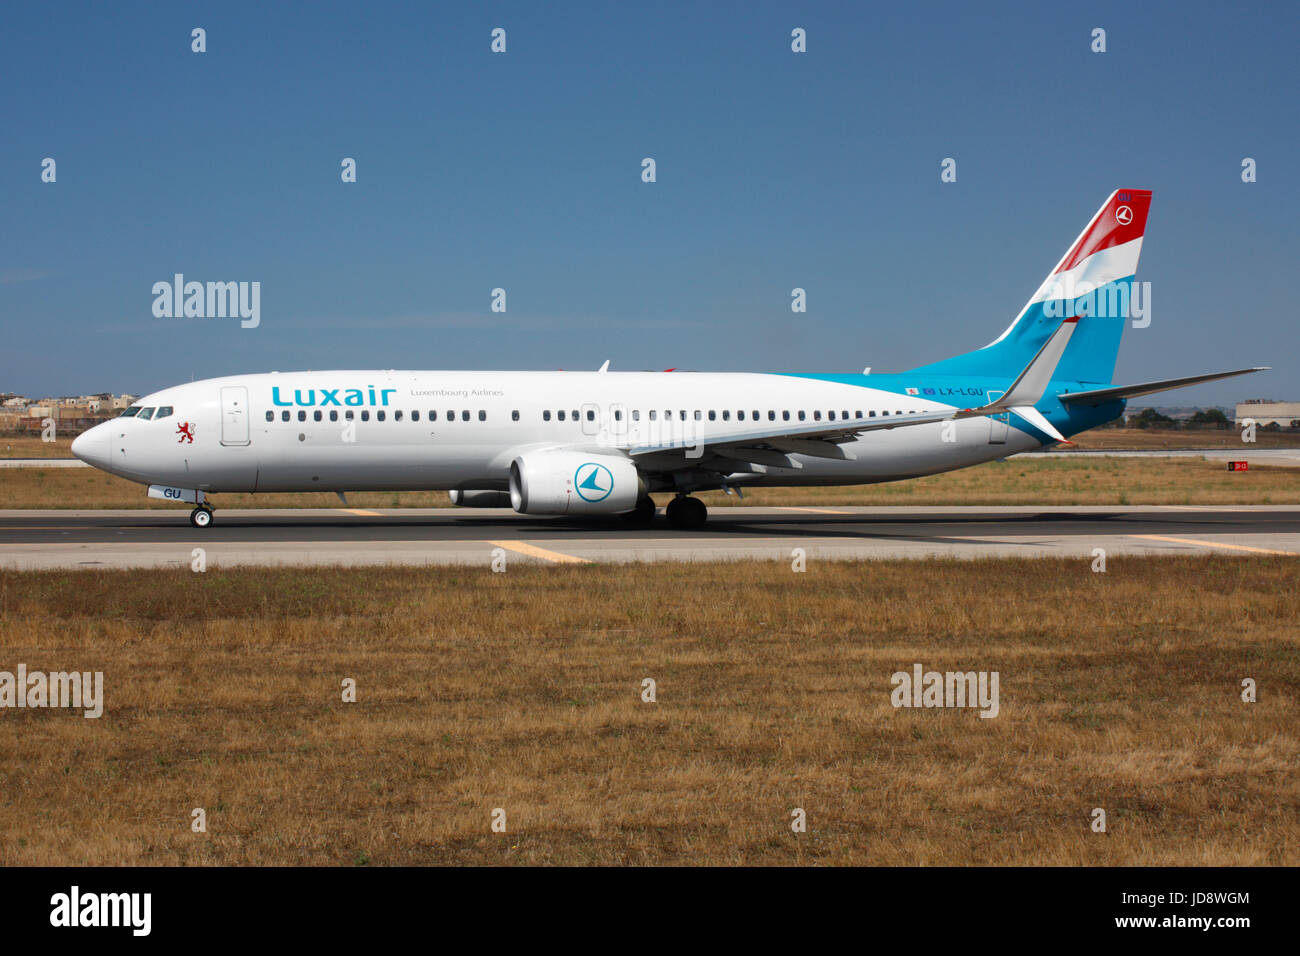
1268	412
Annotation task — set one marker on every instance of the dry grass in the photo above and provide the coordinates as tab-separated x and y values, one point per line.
1160	439
521	691
29	447
1099	481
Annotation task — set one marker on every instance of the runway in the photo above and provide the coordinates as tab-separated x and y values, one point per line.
164	538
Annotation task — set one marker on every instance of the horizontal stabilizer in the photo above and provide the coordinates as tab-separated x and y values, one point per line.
1099	396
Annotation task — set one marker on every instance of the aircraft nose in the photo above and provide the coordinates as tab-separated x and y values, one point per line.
95	445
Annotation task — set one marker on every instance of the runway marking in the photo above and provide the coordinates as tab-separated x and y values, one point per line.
820	511
1207	508
364	514
555	557
1210	544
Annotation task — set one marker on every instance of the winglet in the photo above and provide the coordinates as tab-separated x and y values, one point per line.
1030	384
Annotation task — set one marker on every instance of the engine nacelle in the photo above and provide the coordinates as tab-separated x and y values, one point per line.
480	498
563	482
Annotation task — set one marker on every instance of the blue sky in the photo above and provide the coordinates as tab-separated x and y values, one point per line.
522	171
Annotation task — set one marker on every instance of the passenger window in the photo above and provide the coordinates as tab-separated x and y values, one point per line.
575	414
802	415
163	412
397	415
713	416
831	414
270	415
785	416
653	413
636	414
871	414
284	416
451	415
817	415
433	416
365	415
482	415
316	415
302	415
415	415
348	414
560	414
726	414
380	415
334	416
845	414
740	415
857	414
514	416
884	413
147	413
756	416
546	415
618	415
771	415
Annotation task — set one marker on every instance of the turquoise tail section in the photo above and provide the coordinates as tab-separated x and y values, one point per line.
1094	280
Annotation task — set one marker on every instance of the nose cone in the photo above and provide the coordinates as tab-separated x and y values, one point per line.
95	446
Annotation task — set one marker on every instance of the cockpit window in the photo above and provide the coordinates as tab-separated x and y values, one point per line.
146	413
131	412
163	412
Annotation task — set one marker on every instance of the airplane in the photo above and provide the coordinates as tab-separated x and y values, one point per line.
603	443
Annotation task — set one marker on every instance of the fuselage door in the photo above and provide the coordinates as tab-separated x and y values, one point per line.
998	423
234	415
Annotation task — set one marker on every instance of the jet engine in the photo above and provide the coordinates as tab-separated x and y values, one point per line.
561	482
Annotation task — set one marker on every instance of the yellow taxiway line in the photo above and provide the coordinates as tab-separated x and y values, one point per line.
532	551
1210	544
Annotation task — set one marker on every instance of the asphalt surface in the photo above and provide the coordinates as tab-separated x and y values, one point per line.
159	538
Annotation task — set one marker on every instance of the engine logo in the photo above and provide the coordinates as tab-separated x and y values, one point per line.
593	482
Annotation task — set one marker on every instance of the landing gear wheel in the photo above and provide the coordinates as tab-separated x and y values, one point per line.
201	517
687	514
643	515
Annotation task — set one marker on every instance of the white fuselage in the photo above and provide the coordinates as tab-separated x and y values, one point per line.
322	431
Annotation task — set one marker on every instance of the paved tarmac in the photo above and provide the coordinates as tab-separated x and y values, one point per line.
355	536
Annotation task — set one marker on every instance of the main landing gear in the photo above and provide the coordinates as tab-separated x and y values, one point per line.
201	516
686	514
643	515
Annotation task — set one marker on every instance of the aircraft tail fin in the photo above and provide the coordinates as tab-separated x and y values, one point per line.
1093	280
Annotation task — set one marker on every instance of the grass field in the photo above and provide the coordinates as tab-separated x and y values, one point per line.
1132	481
1156	439
521	691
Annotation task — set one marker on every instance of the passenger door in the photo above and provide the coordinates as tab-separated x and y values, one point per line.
234	415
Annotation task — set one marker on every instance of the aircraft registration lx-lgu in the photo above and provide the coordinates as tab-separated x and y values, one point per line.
600	443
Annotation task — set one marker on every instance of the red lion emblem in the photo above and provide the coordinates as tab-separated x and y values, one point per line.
186	431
